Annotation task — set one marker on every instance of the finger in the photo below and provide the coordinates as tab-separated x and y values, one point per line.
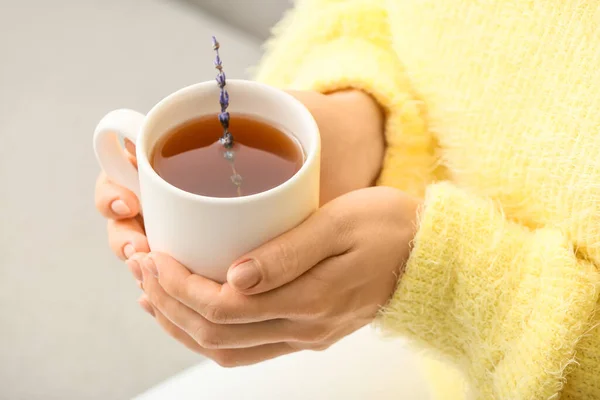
228	357
114	201
216	336
130	151
171	329
126	237
220	304
146	306
135	267
217	303
292	254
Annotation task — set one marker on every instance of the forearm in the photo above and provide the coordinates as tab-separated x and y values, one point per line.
352	141
360	111
507	303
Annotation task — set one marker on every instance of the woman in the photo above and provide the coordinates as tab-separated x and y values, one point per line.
489	114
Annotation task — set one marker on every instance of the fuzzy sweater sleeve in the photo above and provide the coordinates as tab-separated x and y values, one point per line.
330	45
505	303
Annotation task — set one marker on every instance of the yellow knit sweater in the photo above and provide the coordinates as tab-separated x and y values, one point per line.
493	114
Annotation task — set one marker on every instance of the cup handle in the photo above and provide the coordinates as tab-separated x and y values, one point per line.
110	153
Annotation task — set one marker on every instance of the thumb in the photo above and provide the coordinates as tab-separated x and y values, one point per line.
290	255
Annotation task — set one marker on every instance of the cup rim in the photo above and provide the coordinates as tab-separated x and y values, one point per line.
311	154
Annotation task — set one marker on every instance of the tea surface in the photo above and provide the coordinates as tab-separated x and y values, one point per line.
191	158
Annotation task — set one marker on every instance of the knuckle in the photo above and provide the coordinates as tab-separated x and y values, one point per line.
320	347
317	335
216	314
208	337
343	227
155	298
285	257
226	359
340	223
288	257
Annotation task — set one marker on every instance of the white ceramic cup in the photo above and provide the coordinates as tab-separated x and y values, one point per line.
207	234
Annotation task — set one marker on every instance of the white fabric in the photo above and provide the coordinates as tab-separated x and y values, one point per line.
362	366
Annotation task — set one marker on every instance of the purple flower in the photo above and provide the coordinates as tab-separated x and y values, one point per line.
224	119
227	138
224	100
218	63
221	79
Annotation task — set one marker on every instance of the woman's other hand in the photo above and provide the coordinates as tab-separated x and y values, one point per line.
304	290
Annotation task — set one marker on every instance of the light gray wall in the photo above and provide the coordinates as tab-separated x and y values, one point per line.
253	16
70	327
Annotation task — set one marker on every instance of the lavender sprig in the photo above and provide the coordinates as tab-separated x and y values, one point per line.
227	138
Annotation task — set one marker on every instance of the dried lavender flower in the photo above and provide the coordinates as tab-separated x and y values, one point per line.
227	138
224	118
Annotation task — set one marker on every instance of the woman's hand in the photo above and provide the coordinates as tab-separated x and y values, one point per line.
120	206
304	290
351	126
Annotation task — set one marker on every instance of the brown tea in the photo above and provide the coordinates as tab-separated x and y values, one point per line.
191	157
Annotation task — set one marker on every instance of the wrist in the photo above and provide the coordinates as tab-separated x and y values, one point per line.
404	211
361	106
362	127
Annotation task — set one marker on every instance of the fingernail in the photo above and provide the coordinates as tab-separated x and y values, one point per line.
146	306
128	250
150	265
135	269
120	208
245	275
